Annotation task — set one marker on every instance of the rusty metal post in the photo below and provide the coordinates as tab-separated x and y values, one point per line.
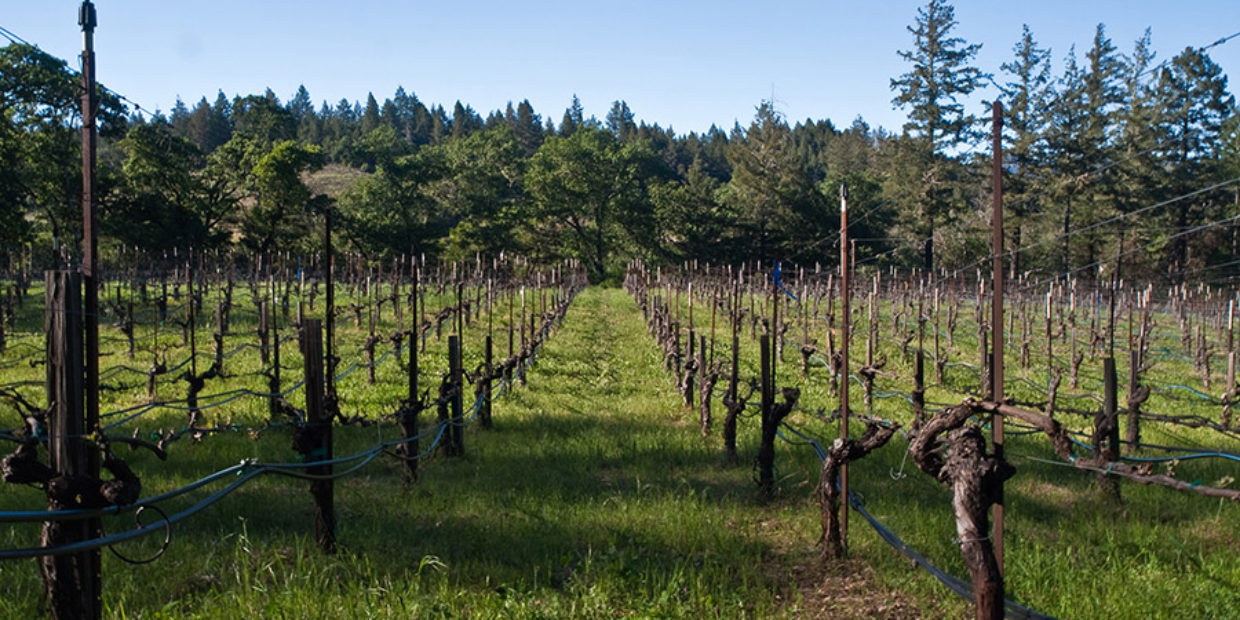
845	300
1230	394
996	322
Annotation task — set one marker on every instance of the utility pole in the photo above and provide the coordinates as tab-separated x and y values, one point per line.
92	578
90	272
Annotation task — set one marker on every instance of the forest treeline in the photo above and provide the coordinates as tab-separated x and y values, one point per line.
1109	155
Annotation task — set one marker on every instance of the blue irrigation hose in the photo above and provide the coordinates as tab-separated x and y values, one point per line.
1166	459
245	470
1195	392
239	469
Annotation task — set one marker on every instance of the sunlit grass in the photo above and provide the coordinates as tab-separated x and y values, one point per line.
595	496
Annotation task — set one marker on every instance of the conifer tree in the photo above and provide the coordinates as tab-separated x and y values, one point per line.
620	121
1138	174
940	76
370	115
1025	97
574	117
1193	97
300	104
771	195
527	127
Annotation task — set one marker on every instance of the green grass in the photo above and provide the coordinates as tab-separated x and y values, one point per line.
1071	551
595	496
589	498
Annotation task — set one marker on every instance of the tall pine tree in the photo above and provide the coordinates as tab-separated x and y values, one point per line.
941	75
1192	91
1025	95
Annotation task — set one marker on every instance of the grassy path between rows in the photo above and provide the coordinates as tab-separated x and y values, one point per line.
594	496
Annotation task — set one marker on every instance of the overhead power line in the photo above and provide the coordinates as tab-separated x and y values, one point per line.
17	39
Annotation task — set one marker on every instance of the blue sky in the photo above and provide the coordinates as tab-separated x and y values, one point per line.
683	64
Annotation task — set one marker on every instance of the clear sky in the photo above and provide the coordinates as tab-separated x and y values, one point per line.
678	63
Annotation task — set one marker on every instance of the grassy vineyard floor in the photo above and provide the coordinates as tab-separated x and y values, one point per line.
595	496
591	498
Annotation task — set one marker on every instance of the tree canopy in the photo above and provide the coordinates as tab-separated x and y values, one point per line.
1097	145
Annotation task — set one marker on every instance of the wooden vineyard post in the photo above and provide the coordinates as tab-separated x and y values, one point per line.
218	337
710	374
919	387
4	315
409	449
766	449
329	317
73	581
263	344
126	325
1106	429
677	362
273	385
89	582
690	361
484	413
371	339
456	430
535	339
729	421
319	432
460	313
